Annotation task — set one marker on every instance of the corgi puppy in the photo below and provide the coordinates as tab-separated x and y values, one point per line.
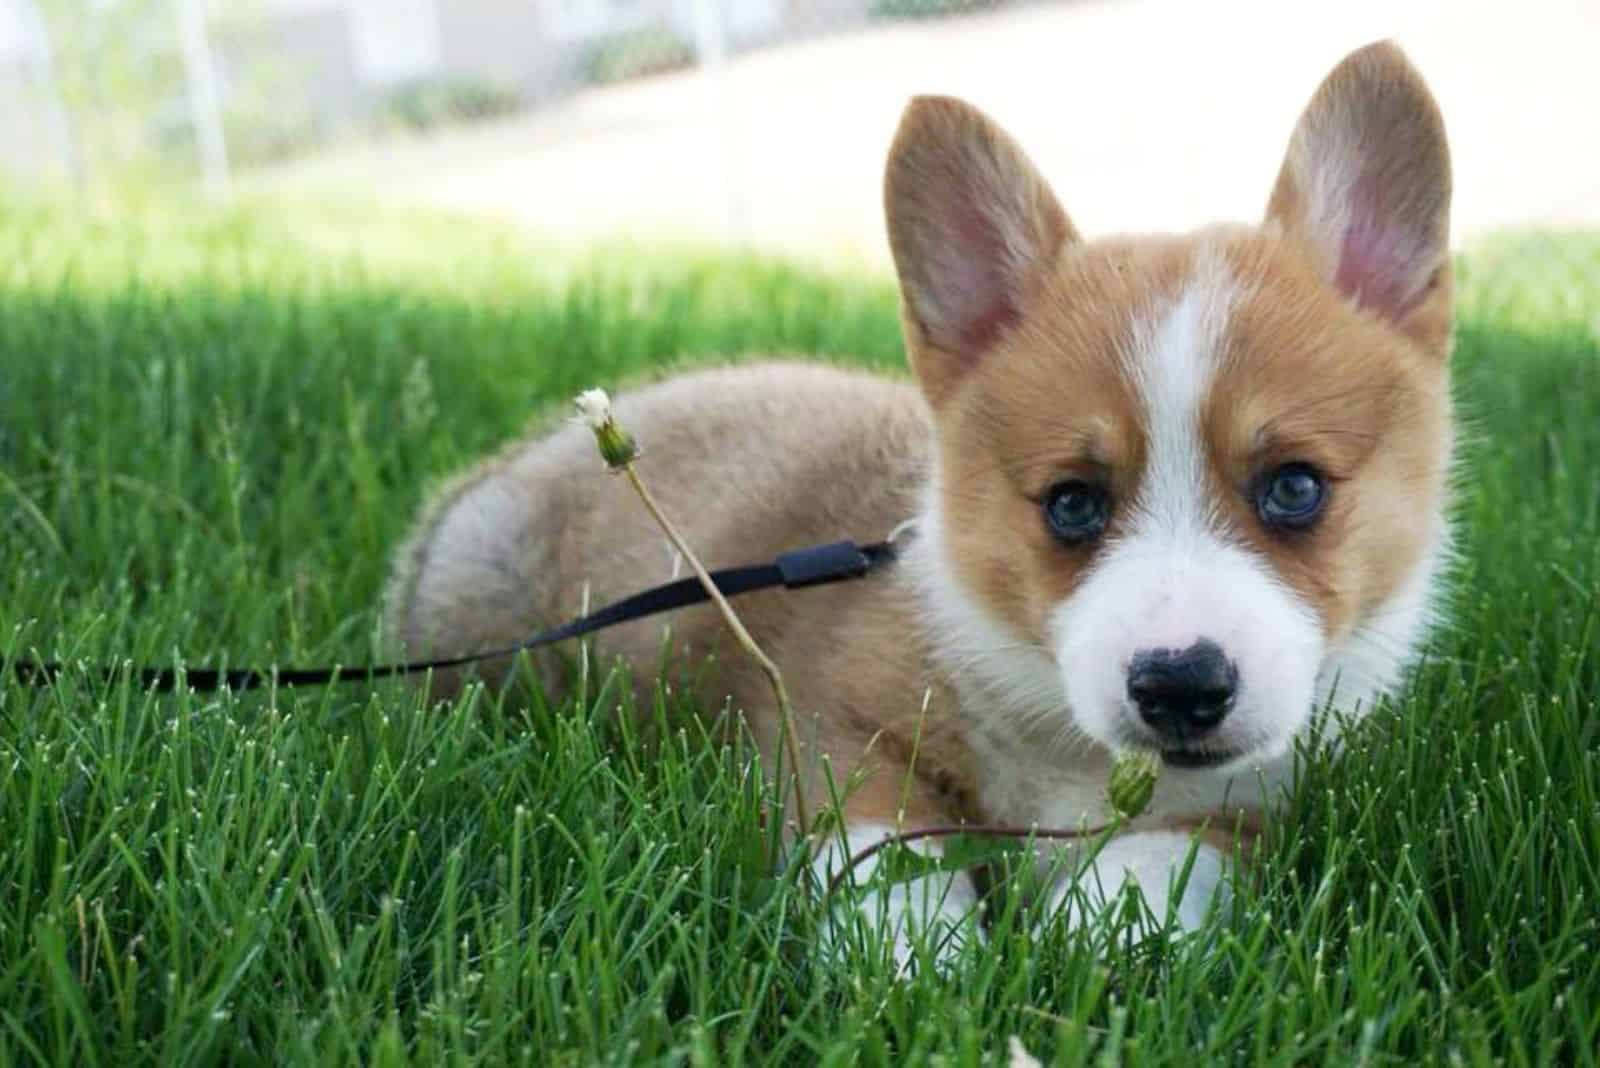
1176	493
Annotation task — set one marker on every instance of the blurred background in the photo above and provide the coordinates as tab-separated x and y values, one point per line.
763	122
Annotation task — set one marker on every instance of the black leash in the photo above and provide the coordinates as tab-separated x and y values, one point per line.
817	565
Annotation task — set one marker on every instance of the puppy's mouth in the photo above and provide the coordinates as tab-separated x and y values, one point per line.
1196	758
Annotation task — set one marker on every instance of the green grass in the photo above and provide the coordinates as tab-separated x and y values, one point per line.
213	430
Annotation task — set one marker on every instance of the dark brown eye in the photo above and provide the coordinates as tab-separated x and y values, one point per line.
1292	497
1076	511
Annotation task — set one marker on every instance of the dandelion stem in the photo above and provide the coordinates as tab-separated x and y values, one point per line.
774	676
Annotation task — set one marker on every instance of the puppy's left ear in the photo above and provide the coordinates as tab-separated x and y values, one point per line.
1365	190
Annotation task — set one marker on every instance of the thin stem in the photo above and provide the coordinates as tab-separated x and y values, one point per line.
774	676
946	831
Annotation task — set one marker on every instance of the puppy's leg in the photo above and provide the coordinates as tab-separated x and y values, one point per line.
1158	864
935	913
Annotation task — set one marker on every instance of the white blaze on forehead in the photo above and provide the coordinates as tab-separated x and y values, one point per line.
1172	361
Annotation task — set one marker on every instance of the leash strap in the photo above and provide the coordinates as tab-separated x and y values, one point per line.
817	565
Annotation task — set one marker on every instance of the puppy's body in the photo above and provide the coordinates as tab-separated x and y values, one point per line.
1173	493
749	462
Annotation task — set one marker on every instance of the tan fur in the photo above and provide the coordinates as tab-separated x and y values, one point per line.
1023	384
1378	424
1012	432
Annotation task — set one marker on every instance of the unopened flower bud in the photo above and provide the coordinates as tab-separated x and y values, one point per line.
1133	781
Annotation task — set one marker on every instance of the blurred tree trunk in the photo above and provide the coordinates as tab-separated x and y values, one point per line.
59	117
205	97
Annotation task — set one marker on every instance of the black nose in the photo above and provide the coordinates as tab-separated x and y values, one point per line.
1182	693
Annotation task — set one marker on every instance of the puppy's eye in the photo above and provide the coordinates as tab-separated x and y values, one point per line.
1292	496
1076	511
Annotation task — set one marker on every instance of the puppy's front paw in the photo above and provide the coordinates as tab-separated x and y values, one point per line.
1154	863
923	922
928	918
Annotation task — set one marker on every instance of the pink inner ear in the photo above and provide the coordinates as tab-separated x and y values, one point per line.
970	279
1384	261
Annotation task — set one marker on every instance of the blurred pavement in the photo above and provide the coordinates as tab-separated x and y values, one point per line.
1144	114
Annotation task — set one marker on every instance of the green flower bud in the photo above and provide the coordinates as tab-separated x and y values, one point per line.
1133	781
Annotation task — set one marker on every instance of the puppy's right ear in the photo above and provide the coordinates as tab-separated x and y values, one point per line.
972	226
1365	191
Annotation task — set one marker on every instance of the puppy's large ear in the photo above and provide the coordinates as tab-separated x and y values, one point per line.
1365	188
972	225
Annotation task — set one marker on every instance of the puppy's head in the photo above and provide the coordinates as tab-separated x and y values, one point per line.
1193	486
